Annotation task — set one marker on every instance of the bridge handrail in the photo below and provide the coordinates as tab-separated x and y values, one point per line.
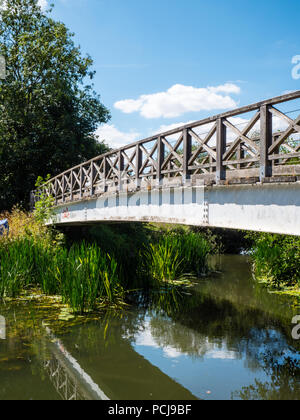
268	150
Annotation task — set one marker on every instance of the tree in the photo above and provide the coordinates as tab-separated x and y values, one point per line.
49	110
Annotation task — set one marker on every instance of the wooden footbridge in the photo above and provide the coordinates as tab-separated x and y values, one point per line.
239	169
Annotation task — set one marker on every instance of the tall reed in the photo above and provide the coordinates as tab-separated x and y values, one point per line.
87	276
83	275
176	256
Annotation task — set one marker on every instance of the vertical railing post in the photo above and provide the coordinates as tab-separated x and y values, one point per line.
138	165
266	137
92	178
221	148
121	169
160	160
187	153
81	182
63	188
55	190
276	151
104	174
71	186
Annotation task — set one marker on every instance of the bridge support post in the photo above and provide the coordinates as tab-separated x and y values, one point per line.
187	153
139	162
266	138
160	160
121	169
81	182
63	188
105	172
71	185
56	191
221	149
92	178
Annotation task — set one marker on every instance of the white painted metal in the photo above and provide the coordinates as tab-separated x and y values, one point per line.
259	207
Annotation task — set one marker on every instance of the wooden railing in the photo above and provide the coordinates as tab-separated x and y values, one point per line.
215	149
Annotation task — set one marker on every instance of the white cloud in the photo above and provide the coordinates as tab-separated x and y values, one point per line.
164	128
43	4
114	137
221	354
204	129
145	339
180	99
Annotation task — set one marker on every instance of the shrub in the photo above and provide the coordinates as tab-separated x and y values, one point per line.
277	259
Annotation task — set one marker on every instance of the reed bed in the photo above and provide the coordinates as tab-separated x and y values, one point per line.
177	257
87	275
82	275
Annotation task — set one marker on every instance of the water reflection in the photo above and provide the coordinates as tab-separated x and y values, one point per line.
226	338
67	376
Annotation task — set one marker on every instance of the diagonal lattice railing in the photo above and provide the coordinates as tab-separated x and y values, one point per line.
264	144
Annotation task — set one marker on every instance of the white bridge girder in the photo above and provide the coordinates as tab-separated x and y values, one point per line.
273	208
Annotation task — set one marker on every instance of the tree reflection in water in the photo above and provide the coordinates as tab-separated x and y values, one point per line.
227	314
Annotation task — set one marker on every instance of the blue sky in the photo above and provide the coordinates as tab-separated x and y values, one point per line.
164	62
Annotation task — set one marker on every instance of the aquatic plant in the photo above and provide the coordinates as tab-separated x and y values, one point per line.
82	275
87	274
177	257
162	261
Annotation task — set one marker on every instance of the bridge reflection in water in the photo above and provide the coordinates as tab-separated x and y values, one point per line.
227	337
69	379
130	377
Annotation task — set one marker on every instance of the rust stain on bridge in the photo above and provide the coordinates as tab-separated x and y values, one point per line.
196	153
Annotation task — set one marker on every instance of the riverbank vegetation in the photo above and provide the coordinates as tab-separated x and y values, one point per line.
99	271
276	261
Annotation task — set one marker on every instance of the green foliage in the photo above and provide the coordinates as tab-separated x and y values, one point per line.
84	276
177	255
194	249
163	262
16	265
44	206
49	110
277	259
225	241
89	274
122	241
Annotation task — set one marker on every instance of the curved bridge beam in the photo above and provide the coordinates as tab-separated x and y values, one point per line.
271	208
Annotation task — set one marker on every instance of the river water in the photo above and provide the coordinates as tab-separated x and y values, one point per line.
227	338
